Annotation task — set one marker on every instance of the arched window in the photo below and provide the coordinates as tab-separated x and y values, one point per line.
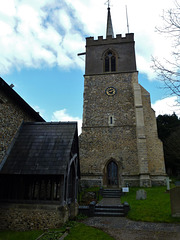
110	61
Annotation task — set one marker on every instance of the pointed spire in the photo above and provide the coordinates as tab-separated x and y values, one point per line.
109	30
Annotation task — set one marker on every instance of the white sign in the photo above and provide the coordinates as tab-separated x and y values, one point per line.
125	189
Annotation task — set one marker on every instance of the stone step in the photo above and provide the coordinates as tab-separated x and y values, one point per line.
111	196
109	214
109	210
109	206
112	190
111	193
116	210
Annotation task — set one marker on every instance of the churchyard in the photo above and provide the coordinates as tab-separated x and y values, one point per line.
156	207
77	231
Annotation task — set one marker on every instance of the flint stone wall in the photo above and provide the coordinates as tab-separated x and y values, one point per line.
100	142
121	141
23	217
154	145
11	117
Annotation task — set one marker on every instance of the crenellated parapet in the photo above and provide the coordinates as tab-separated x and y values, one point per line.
129	37
120	46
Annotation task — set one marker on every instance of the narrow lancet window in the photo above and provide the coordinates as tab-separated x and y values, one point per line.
113	64
111	120
107	64
110	62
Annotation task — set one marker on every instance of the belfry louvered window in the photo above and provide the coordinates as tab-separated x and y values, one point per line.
110	62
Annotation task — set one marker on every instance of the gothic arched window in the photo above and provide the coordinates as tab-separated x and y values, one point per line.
110	61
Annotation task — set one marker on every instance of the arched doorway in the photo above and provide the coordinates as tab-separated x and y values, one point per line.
112	174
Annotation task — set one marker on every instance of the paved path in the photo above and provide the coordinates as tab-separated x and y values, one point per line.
122	228
109	202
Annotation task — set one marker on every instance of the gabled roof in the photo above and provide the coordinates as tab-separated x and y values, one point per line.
19	100
41	148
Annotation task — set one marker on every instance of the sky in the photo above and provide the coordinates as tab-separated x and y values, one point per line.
40	40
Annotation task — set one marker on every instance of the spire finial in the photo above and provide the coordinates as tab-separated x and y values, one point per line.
109	29
108	3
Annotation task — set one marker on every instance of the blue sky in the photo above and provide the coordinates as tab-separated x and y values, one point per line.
40	40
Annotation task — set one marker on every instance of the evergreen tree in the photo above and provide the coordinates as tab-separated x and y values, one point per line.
169	132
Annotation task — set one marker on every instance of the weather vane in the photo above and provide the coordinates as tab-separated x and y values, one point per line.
107	3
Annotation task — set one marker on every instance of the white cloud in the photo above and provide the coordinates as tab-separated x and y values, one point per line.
144	66
8	8
65	19
37	33
31	36
63	116
166	106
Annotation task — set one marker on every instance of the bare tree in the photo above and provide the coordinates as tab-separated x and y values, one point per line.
169	71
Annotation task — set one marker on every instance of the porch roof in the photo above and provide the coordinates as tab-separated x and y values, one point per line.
41	148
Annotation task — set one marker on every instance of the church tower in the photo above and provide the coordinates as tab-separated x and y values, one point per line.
119	143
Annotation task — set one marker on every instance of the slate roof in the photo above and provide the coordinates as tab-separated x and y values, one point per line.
41	148
19	100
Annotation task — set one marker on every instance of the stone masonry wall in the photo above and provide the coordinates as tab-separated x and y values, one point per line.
23	217
11	117
98	146
100	141
154	145
98	106
155	153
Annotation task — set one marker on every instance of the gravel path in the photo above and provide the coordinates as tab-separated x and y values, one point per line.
124	229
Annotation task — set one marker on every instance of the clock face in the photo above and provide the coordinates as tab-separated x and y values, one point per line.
110	91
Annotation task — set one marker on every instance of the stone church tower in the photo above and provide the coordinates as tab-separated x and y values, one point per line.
119	143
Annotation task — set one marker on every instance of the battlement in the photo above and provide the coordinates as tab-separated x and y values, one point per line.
129	37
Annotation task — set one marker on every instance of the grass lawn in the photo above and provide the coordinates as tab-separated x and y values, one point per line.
78	231
156	208
82	232
11	235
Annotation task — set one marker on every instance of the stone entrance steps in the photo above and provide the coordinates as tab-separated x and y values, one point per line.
110	205
111	193
111	211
